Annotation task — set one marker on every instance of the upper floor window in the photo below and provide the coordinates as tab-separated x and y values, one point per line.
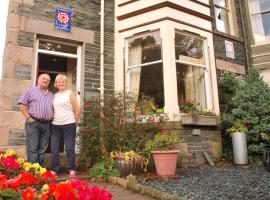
190	69
260	18
145	69
222	16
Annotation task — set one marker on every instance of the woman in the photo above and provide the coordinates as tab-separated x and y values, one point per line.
66	117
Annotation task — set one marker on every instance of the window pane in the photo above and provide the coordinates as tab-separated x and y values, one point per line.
189	49
190	84
144	49
264	5
220	2
222	20
266	24
51	46
148	81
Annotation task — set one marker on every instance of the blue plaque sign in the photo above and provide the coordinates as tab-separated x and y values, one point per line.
62	19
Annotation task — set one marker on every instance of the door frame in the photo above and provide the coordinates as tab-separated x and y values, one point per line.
77	56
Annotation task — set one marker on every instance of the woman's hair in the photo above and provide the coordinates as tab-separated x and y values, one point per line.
60	76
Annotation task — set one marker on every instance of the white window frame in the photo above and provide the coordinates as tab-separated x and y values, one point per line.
227	9
127	70
253	14
205	66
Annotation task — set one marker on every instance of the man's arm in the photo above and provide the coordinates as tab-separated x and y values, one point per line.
24	110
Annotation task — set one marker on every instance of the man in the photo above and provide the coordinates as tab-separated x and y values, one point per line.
36	104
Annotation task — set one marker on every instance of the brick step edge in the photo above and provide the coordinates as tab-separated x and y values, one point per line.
142	189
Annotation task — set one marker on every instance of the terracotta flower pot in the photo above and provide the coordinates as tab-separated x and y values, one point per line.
165	162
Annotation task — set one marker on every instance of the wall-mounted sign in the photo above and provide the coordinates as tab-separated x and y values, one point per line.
62	19
229	48
191	60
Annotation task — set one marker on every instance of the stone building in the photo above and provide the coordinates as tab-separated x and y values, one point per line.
34	45
229	37
171	50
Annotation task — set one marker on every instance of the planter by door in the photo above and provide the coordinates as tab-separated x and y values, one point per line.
239	148
165	162
266	157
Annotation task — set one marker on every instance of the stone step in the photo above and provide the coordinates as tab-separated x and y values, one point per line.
261	66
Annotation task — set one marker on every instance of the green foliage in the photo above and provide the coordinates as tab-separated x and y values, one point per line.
103	169
162	142
116	123
248	101
228	85
9	194
238	126
188	107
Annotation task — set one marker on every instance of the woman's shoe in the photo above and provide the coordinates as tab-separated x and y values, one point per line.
72	174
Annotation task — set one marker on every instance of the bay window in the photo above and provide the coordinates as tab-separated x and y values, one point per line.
190	69
260	18
145	69
222	15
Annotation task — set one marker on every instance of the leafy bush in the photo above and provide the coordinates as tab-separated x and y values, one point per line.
249	101
103	169
162	142
115	123
238	126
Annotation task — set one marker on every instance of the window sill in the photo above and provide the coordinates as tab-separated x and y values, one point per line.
229	36
200	120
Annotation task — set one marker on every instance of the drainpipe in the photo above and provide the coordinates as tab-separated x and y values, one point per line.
244	35
102	48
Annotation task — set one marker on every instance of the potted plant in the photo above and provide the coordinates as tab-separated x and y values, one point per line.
265	139
238	134
163	147
195	116
129	162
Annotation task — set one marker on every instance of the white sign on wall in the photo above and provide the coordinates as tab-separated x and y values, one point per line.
229	48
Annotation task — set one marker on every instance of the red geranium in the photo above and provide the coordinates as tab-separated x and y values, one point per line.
48	177
28	179
14	183
2	180
28	194
64	191
11	163
99	194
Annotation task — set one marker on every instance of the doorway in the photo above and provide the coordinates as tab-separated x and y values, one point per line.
59	57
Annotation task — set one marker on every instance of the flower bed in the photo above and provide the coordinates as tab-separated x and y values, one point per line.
27	181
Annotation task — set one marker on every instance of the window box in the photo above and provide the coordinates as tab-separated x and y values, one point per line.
199	120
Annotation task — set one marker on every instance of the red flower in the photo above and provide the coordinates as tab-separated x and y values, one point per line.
48	177
52	187
98	194
11	163
64	191
14	183
28	179
28	194
2	180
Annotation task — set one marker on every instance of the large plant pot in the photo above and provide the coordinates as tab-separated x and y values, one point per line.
165	162
239	148
127	167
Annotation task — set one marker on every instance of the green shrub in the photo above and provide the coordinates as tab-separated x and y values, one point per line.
103	169
162	142
249	101
116	123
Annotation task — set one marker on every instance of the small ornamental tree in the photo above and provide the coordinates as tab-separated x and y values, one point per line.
251	104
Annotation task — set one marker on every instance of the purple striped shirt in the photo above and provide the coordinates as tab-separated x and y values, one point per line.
40	105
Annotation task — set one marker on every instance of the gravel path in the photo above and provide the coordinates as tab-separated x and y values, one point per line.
217	183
